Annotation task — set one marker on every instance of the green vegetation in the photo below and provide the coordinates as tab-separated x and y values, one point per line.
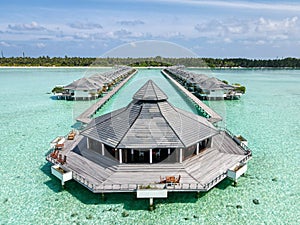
46	61
253	63
152	61
149	64
225	81
57	90
240	88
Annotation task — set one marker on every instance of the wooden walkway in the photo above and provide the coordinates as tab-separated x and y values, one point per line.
199	173
213	116
85	117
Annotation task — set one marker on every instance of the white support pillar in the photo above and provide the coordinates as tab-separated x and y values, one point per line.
151	201
88	143
169	151
132	154
150	152
120	155
180	155
102	148
197	151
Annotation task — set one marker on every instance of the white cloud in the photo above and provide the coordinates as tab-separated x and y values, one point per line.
4	44
40	45
85	26
237	29
227	40
33	26
131	22
260	42
81	36
266	25
133	44
122	33
259	29
287	6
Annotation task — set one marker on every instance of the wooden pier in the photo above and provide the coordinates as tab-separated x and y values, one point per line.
85	117
213	116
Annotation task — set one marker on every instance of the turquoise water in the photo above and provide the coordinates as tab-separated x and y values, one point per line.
268	116
124	96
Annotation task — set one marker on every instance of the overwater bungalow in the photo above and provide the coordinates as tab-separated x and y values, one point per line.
107	82
204	87
151	147
213	88
84	89
192	82
92	87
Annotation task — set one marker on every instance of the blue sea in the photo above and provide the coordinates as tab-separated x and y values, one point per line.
268	116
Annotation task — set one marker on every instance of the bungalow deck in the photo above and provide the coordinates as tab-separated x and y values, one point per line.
199	173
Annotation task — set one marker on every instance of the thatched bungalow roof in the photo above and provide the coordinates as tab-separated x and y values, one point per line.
149	121
84	84
214	84
101	79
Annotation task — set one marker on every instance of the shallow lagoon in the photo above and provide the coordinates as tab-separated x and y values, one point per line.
268	116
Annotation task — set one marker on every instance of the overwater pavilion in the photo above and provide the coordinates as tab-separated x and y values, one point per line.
149	130
137	145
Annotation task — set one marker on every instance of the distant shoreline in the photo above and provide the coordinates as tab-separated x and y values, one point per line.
149	62
159	67
55	67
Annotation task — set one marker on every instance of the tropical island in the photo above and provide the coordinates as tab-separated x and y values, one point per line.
157	61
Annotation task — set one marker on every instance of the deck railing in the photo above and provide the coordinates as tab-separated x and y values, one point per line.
50	159
133	187
228	132
215	181
83	181
169	186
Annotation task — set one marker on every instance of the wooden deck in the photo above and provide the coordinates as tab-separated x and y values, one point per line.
199	173
85	117
213	116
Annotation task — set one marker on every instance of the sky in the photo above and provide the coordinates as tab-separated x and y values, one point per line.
208	28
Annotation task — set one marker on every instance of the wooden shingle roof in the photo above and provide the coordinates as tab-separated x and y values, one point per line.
150	92
149	121
84	84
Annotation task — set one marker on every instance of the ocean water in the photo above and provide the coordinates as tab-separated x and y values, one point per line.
267	115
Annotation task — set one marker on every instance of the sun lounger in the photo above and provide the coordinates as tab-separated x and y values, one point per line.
170	180
71	135
62	160
54	154
59	146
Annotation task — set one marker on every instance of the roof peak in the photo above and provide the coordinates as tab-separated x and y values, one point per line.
150	92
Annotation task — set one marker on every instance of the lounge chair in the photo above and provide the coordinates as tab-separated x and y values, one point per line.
61	160
54	154
170	180
59	146
71	135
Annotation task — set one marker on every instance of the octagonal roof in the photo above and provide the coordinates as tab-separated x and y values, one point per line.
149	121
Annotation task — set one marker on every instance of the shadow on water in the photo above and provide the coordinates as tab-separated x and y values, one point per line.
224	184
53	97
77	125
129	200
